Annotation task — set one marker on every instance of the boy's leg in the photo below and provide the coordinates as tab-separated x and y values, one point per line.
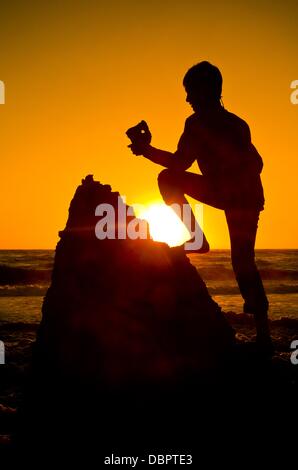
173	185
243	226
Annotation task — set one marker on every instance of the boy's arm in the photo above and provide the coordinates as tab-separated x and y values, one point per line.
160	157
182	159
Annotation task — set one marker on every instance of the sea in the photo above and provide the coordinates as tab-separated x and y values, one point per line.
25	276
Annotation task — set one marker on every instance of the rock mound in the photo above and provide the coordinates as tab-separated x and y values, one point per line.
121	310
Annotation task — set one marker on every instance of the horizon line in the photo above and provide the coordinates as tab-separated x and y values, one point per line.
212	249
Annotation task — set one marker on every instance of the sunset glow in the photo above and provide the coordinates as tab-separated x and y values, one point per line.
165	226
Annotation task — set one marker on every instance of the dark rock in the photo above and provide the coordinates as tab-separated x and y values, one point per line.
129	334
125	310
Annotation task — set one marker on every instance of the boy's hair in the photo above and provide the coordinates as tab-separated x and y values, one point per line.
206	77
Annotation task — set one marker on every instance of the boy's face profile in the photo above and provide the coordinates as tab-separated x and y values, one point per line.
200	98
203	86
195	98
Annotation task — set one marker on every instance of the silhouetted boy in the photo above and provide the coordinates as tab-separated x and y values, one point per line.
230	165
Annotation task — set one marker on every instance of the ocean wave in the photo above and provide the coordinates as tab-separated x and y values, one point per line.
23	290
278	274
40	290
15	276
270	289
216	273
10	275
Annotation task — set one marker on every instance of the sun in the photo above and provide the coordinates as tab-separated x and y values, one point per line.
165	225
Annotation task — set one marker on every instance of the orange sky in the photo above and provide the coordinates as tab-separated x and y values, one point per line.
79	73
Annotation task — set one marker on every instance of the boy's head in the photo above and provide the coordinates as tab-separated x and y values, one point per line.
203	85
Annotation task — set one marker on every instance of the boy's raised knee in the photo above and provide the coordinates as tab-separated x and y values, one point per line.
169	186
164	178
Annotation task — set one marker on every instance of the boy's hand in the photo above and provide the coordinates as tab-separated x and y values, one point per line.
140	137
138	149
